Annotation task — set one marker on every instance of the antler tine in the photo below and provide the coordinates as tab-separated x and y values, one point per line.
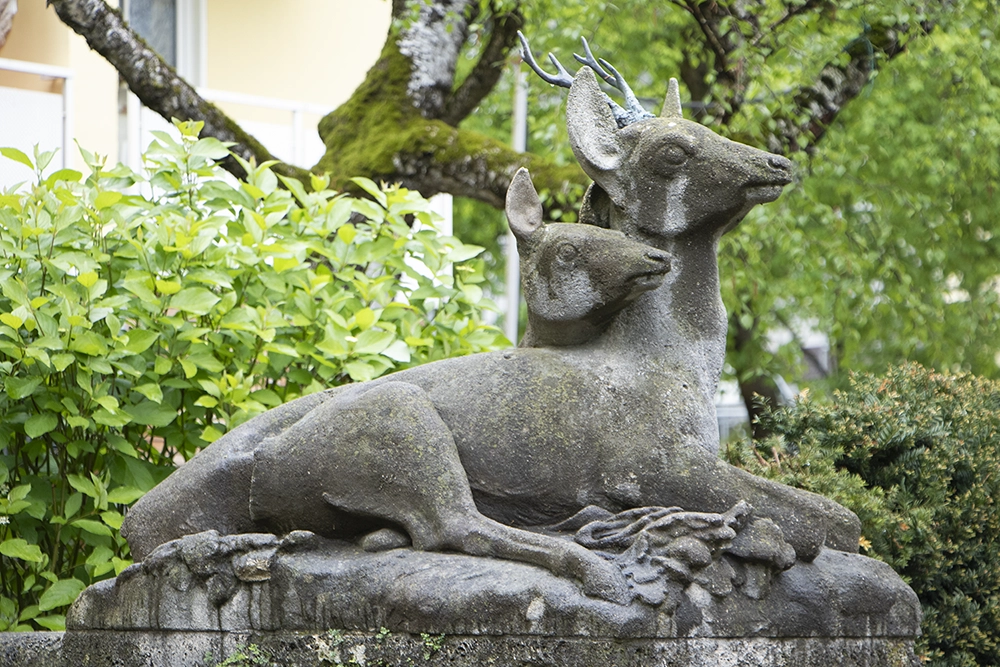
591	62
634	106
563	78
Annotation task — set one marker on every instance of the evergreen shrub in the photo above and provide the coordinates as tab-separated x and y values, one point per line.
144	315
917	455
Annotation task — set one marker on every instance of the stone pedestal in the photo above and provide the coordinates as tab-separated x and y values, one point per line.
309	601
206	649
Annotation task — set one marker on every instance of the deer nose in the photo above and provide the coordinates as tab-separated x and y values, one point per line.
659	257
779	162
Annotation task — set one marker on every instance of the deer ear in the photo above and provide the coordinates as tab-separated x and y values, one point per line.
524	208
596	208
598	145
591	126
672	102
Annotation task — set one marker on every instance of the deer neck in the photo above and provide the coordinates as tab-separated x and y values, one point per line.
679	328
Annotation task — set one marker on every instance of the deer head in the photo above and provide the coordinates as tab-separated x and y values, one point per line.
666	177
575	277
658	177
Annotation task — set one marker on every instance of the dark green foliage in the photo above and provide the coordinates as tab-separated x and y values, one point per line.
917	455
144	315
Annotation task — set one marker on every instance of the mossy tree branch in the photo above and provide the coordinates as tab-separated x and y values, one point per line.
487	71
393	129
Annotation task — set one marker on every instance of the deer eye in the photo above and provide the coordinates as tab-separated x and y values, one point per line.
567	252
673	154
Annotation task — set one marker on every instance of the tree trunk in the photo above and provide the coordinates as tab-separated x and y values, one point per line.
7	10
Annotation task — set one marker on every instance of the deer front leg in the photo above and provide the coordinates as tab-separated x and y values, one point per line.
696	480
384	452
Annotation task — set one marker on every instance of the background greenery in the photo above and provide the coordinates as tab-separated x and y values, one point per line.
144	315
916	454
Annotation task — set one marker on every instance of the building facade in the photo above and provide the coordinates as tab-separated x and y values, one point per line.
276	68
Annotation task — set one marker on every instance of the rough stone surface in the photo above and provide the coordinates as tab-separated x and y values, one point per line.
31	649
610	403
102	648
256	582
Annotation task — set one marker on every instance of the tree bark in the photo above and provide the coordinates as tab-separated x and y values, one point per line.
7	10
401	126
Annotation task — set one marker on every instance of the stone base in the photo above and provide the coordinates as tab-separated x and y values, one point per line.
289	649
31	649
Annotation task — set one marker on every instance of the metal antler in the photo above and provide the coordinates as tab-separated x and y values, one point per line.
623	117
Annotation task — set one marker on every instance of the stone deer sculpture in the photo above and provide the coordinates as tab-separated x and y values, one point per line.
610	405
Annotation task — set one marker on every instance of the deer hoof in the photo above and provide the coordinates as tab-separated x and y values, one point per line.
608	583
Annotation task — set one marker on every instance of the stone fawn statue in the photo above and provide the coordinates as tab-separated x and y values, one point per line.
606	407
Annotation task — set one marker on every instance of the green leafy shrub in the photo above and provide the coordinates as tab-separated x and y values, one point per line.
143	316
917	455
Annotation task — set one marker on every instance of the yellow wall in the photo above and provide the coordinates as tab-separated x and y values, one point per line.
314	51
37	36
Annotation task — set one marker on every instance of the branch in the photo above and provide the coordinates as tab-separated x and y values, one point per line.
436	158
431	38
156	83
487	70
817	105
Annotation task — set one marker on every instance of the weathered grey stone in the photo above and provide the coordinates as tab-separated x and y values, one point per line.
336	584
31	649
378	649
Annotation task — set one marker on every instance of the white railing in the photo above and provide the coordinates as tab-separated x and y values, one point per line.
52	72
296	108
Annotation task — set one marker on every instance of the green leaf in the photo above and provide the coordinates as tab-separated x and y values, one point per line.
359	371
347	232
139	340
89	343
40	424
73	504
91	526
369	186
63	592
125	495
152	391
463	253
19	548
207	402
62	361
106	199
82	484
68	175
397	351
373	341
194	300
211	148
100	554
13	321
53	622
152	414
211	434
190	370
17	156
364	318
18	388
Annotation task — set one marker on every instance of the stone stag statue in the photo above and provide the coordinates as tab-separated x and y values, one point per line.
605	413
